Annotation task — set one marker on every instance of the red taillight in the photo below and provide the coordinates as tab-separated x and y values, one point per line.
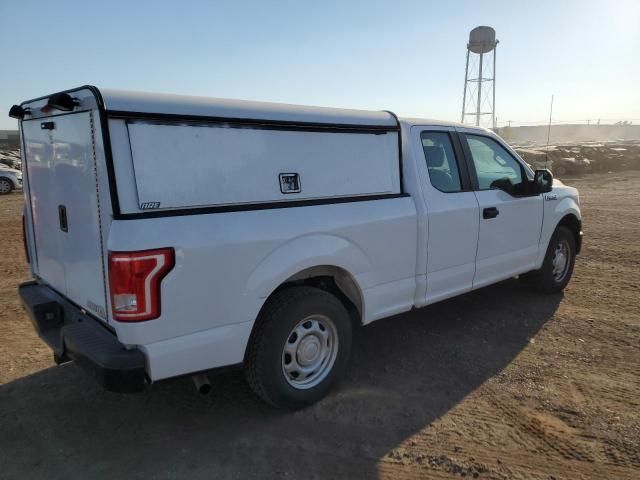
24	238
134	281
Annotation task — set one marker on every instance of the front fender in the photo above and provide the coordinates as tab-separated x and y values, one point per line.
564	207
305	252
554	212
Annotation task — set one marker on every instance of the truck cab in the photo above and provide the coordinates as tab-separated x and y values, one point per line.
170	235
469	181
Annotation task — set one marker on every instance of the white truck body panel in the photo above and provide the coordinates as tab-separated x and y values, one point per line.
224	271
503	250
367	212
450	257
218	165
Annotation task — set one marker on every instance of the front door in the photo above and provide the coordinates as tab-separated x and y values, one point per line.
510	218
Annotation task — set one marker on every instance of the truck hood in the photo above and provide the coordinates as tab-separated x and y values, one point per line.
564	191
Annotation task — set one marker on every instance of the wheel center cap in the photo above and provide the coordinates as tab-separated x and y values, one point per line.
308	350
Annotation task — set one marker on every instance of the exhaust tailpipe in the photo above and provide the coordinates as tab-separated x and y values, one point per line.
202	383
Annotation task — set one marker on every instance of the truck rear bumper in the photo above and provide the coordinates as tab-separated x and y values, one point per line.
74	335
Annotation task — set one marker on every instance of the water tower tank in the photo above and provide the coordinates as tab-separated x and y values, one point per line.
482	40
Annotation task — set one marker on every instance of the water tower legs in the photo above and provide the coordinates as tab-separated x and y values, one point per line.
480	80
464	92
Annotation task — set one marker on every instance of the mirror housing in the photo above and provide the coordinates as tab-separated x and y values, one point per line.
17	112
542	181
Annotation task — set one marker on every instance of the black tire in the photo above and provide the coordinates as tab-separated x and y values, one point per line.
545	279
6	186
274	327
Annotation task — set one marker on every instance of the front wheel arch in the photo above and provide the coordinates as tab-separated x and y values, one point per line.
573	223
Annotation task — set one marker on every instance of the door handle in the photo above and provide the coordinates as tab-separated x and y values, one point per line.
62	218
490	212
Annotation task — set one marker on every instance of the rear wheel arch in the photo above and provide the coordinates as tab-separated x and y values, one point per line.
333	279
330	278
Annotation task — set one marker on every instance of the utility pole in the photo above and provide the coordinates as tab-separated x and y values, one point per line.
546	162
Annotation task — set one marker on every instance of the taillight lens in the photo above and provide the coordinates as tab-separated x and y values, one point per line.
134	281
24	238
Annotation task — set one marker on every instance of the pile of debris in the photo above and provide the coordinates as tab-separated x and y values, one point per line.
574	159
11	158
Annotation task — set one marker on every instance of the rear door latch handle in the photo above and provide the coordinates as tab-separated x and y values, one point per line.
490	212
62	217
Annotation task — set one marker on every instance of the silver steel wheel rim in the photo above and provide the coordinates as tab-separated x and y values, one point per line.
560	261
5	186
309	352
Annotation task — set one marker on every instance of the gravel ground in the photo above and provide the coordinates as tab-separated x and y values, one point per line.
500	383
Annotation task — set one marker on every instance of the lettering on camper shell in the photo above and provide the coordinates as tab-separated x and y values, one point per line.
149	205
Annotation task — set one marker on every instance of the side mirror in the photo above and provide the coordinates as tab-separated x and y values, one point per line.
503	184
542	181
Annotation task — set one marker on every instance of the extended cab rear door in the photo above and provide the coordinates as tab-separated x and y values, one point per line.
451	212
510	217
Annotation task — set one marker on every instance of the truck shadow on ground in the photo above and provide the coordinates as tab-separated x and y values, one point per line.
407	371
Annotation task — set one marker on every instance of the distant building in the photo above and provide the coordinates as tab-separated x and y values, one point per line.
9	139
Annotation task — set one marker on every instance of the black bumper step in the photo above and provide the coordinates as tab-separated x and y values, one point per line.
75	335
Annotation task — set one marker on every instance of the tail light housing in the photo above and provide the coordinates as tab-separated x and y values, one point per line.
134	283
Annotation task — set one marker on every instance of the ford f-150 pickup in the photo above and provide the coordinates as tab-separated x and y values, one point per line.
171	235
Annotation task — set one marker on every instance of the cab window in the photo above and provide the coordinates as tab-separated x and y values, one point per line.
495	167
441	161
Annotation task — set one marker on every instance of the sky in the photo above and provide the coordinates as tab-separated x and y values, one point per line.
404	56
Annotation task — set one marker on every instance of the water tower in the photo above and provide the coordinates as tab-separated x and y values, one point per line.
479	98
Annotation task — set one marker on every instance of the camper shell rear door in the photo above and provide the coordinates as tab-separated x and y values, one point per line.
64	208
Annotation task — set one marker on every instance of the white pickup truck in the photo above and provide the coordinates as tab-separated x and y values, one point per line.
171	235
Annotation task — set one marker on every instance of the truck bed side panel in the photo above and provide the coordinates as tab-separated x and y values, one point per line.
220	259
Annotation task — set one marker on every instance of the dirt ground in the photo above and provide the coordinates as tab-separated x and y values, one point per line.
500	383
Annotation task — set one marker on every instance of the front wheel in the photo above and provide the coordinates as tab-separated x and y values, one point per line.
557	268
299	348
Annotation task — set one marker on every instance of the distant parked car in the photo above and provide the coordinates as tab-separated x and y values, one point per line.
10	179
536	159
570	165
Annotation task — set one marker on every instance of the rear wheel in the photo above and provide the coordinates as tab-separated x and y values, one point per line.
299	348
557	268
5	186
